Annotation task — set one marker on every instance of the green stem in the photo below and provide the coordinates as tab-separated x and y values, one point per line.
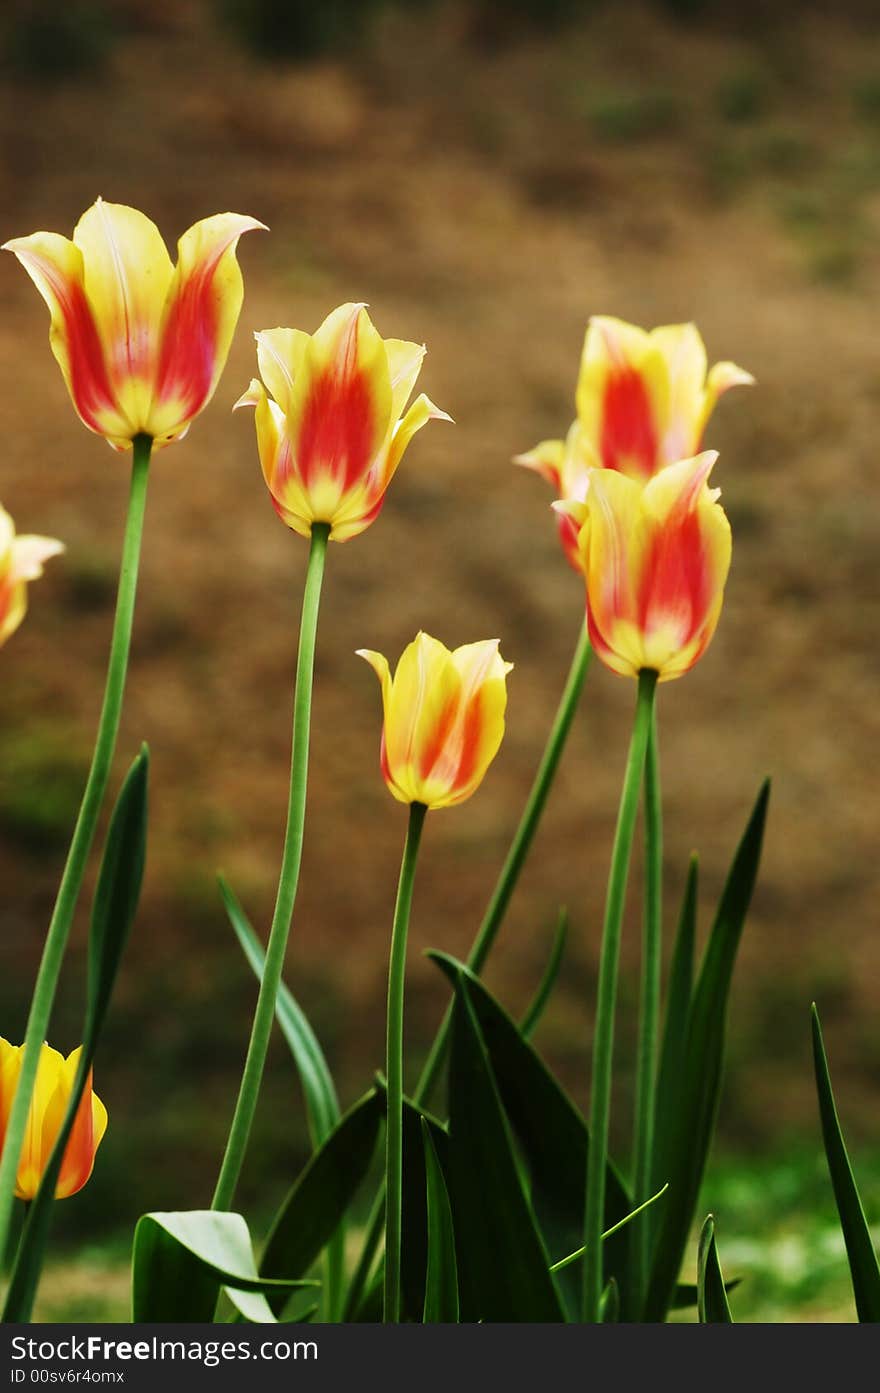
603	1038
488	930
264	1015
649	1015
519	850
394	1064
83	833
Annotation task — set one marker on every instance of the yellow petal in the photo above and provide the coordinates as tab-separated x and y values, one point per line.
198	321
29	554
127	273
404	365
280	353
55	265
545	459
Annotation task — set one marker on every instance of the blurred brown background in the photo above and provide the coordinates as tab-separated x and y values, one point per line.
486	177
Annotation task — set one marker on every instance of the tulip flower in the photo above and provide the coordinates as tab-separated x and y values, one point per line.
332	429
643	401
21	561
54	1084
141	343
444	718
655	558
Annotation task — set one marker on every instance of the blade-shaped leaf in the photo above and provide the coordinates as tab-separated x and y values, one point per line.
686	1294
700	1085
414	1216
441	1281
711	1296
315	1205
180	1262
322	1106
113	911
863	1265
552	1135
502	1262
535	1010
609	1305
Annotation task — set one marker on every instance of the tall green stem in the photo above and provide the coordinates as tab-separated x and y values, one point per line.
261	1030
394	1064
492	920
649	1016
83	833
603	1038
519	849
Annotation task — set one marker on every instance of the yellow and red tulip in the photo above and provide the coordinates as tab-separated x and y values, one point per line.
21	561
655	557
332	429
52	1091
443	718
644	398
141	343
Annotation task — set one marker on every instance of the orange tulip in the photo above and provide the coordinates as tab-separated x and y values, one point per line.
21	561
54	1084
141	343
444	718
655	558
643	401
332	429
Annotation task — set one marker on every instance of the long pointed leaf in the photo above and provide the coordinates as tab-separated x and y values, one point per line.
502	1262
314	1207
538	1004
712	1301
181	1261
552	1135
863	1266
441	1281
698	1100
322	1106
113	911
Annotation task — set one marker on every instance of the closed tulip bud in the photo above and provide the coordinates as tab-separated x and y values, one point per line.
443	718
21	561
655	557
141	342
52	1091
332	427
644	399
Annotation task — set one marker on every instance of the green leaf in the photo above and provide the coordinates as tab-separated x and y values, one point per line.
551	1133
113	911
502	1262
686	1294
314	1207
322	1106
414	1216
441	1282
863	1265
697	1101
579	1252
711	1295
670	1069
539	1001
609	1305
180	1262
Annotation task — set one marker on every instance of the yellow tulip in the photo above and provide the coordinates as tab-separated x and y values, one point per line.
54	1084
655	557
332	429
643	402
444	718
141	343
21	561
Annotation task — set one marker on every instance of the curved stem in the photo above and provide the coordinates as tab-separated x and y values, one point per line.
649	1015
519	849
603	1037
264	1015
488	930
394	1064
83	833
